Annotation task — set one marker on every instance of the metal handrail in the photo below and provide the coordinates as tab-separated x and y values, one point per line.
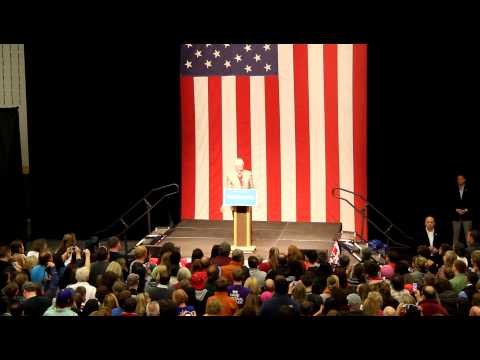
363	211
150	207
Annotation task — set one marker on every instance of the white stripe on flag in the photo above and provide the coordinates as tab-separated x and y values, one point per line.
287	132
200	86
229	130
345	132
317	133
258	141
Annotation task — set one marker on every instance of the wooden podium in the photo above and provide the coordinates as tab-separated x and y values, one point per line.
241	201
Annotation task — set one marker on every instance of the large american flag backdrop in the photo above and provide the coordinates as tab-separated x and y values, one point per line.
296	115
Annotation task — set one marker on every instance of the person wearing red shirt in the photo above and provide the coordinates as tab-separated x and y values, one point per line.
429	303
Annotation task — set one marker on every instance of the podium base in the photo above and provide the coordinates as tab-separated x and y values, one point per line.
245	249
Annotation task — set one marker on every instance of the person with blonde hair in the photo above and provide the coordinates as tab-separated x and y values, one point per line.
272	262
142	301
116	268
373	304
389	311
448	260
252	284
110	301
153	309
251	306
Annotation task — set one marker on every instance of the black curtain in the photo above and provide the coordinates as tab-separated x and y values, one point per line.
12	199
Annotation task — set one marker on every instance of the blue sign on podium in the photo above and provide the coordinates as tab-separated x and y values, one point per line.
240	197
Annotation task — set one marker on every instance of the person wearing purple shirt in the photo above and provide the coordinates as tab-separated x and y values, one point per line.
237	291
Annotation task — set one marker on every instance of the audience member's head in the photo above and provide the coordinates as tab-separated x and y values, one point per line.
224	249
354	302
130	305
221	284
16	247
237	255
393	256
372	268
373	304
184	274
213	308
168	308
215	251
281	285
312	256
389	311
115	268
114	244
252	262
101	254
196	266
90	306
64	298
459	267
196	254
423	250
444	248
366	254
133	280
472	239
153	308
449	258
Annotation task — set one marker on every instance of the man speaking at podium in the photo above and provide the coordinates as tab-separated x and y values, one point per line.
242	215
240	178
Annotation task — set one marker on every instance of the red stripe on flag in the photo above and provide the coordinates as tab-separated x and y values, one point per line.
243	120
272	122
188	147
302	132
360	132
331	131
215	146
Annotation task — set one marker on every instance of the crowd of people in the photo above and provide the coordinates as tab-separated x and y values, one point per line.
71	281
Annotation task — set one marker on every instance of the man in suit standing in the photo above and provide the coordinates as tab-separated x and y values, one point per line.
463	211
240	178
429	237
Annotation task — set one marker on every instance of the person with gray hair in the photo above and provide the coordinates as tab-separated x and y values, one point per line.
236	263
153	308
82	275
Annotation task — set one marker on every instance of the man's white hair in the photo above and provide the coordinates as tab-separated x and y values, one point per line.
82	274
239	162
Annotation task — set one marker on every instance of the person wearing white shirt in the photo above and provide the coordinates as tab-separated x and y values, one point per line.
81	275
429	236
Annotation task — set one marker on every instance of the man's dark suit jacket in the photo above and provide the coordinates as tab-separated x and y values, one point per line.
464	203
422	239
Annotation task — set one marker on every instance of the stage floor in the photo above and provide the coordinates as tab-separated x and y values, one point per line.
203	234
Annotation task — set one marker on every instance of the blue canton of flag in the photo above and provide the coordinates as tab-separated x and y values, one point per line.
229	59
